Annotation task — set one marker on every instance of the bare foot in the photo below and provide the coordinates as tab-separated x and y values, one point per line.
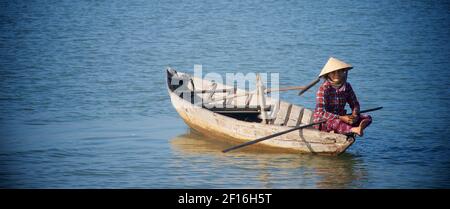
360	129
363	125
356	130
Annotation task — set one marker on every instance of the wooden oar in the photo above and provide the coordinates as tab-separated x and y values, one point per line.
309	86
232	96
287	131
285	89
271	136
370	110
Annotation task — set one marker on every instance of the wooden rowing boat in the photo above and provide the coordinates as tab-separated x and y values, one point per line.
243	122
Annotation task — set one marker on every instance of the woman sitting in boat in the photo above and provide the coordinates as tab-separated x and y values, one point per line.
332	97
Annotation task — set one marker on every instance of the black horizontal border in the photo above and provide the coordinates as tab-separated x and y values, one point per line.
220	198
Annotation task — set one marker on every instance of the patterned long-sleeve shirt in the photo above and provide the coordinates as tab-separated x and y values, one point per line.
330	102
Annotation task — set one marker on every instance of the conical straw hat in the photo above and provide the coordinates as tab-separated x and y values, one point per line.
334	64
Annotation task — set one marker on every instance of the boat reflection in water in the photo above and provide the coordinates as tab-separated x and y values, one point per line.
252	168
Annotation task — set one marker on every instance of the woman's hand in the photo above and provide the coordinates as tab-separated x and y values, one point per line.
347	119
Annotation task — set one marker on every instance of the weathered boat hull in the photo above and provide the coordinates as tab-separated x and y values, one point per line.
306	140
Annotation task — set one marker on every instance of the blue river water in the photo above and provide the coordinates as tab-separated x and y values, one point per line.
83	102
